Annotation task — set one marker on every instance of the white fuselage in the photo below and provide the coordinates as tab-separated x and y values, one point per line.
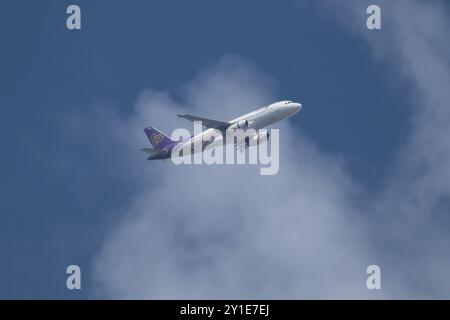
256	120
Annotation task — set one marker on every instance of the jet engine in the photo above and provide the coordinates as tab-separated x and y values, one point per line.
242	124
262	136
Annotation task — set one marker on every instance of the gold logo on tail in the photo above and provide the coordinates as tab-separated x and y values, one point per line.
156	138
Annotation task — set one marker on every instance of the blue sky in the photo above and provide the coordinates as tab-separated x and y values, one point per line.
58	205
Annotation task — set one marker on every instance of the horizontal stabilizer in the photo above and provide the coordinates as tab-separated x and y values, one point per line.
209	123
154	152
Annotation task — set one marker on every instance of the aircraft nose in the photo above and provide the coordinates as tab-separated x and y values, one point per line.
296	107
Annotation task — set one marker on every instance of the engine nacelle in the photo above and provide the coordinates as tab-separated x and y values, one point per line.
262	136
242	124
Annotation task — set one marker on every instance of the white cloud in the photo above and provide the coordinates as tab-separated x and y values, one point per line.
413	210
226	231
309	232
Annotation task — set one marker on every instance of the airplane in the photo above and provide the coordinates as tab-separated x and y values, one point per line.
258	119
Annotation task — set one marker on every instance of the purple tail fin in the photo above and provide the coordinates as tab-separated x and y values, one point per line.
158	139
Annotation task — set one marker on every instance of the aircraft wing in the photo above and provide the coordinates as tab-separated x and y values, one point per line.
209	123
